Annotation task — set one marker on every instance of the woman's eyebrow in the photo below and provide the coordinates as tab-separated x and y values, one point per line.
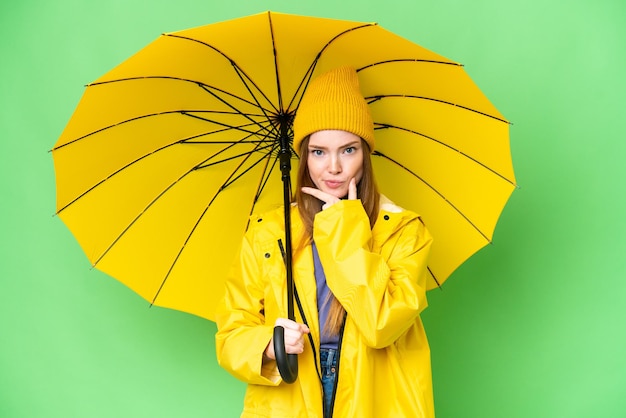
349	144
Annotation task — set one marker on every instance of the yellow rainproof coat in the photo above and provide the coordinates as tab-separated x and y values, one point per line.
378	274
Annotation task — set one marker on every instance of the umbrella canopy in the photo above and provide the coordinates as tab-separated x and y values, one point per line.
168	154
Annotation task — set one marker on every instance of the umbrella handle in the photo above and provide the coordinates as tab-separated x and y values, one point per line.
287	363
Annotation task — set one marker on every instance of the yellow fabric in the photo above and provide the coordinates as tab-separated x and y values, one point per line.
334	101
378	275
168	154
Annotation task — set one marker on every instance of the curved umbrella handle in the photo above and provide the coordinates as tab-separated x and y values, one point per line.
287	363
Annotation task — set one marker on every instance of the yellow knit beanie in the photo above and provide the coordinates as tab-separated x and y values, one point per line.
334	101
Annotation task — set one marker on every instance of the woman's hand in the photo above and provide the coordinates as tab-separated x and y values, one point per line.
294	338
329	199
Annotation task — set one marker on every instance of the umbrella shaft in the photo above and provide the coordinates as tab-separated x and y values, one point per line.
285	168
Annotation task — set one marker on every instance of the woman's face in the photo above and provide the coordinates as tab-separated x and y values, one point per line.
334	158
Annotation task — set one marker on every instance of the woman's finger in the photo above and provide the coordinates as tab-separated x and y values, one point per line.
293	337
288	324
328	199
320	195
352	189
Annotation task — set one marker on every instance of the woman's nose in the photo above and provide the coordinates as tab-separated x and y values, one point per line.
334	165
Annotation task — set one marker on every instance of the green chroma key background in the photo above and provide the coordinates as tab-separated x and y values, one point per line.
531	326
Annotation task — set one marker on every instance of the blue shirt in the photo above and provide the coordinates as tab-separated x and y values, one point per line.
324	298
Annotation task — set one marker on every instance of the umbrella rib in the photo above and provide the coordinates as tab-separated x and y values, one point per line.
189	113
265	176
430	186
433	276
183	246
211	89
154	201
306	78
231	180
239	128
272	145
304	82
183	141
158	196
275	55
186	80
243	154
227	183
236	66
373	99
240	74
257	147
247	116
112	126
117	172
388	126
373	64
340	34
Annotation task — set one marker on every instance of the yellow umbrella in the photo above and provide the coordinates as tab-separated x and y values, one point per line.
168	154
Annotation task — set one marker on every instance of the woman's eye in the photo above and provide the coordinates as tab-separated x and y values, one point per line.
317	152
349	150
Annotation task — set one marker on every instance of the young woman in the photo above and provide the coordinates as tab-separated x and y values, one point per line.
359	267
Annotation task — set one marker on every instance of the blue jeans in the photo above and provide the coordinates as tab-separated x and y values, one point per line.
328	359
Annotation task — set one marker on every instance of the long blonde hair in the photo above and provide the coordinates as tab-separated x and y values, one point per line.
309	206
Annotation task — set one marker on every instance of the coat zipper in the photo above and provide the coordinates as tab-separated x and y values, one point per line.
332	401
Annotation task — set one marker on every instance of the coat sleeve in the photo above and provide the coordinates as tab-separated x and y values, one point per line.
382	293
242	334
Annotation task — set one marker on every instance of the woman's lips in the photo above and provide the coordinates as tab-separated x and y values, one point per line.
332	184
